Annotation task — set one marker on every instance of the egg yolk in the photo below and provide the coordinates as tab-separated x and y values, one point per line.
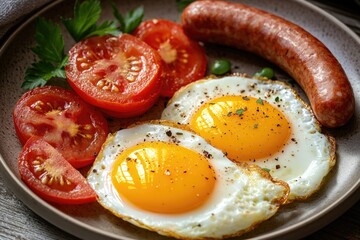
163	177
245	128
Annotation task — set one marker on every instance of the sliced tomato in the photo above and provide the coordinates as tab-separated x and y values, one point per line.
184	60
63	119
120	75
50	176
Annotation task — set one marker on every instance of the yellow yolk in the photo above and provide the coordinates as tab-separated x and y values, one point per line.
245	128
163	177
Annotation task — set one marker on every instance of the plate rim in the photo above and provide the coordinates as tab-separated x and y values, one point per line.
79	228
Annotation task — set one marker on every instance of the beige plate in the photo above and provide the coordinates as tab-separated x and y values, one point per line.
293	221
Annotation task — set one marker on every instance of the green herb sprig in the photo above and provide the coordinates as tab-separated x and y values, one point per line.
241	111
84	24
131	20
50	52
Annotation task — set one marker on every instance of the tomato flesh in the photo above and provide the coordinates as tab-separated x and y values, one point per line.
184	60
116	74
64	120
50	176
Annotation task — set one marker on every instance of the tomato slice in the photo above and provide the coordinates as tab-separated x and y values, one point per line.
120	75
64	120
50	176
184	60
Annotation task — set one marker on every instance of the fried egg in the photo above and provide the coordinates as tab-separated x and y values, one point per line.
171	181
258	121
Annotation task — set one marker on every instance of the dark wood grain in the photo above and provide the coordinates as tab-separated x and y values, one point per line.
17	222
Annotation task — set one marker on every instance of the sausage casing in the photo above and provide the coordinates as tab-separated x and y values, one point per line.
296	51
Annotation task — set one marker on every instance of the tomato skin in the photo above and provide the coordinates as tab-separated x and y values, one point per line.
64	120
120	75
142	106
39	162
184	60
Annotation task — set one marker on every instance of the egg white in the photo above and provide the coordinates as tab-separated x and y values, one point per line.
305	160
243	196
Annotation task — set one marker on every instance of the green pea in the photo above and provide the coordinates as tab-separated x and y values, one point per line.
265	72
220	67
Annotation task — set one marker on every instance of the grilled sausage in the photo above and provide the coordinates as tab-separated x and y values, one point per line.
286	44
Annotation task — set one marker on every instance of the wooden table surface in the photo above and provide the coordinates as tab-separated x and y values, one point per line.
20	223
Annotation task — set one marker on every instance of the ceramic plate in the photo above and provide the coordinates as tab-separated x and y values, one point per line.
293	221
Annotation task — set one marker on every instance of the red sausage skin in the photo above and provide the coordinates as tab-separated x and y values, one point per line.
287	45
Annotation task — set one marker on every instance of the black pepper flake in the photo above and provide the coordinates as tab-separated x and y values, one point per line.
94	170
185	171
207	154
179	133
277	166
169	133
176	105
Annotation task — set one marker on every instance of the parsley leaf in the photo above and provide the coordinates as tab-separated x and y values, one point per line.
103	29
241	111
84	23
182	4
40	72
131	20
50	51
260	101
49	41
266	169
277	99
